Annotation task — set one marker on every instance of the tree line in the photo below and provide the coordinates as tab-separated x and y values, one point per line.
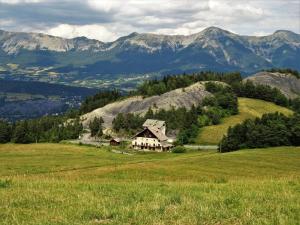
169	83
44	129
284	70
264	92
271	130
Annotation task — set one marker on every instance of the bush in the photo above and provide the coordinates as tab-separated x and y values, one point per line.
179	149
5	183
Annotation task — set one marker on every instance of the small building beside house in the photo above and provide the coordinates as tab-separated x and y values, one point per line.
152	137
115	142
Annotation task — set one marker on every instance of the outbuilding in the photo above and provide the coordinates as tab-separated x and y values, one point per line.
115	141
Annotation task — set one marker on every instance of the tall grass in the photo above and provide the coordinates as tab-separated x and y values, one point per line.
66	184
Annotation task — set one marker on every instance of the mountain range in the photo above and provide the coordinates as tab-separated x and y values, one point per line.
86	62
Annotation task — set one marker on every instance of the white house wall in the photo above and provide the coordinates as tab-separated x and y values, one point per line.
144	141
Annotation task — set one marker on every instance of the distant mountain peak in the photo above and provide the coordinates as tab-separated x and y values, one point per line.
133	34
139	53
214	31
287	35
284	32
81	38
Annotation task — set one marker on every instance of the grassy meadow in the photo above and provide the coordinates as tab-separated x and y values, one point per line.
70	184
248	109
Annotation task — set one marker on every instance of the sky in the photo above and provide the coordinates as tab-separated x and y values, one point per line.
107	20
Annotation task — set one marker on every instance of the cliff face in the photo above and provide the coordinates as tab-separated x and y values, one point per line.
288	84
183	97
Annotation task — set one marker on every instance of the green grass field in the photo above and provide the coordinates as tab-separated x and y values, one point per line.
248	109
69	184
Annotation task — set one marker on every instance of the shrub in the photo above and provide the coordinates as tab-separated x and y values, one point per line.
5	183
179	149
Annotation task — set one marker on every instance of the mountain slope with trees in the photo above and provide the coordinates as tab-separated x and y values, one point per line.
183	97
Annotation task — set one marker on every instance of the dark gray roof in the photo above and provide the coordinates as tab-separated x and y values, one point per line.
157	133
154	123
116	139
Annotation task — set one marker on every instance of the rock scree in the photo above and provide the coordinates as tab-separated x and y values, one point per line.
182	97
288	84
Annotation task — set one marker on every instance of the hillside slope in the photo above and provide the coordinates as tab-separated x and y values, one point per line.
288	84
183	97
248	109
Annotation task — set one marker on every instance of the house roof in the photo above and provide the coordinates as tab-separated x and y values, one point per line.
154	123
116	139
156	132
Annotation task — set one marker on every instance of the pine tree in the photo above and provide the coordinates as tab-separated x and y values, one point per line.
5	132
21	133
96	127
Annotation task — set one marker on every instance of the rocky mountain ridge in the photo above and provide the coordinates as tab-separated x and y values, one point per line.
12	42
211	49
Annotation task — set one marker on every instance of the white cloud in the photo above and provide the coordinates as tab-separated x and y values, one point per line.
146	7
93	31
108	19
260	33
152	20
105	5
6	23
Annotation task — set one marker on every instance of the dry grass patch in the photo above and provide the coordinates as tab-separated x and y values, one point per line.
248	109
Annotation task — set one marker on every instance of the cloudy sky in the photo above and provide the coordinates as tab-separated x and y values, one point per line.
107	20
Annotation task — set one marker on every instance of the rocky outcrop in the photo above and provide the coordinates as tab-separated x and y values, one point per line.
288	84
183	97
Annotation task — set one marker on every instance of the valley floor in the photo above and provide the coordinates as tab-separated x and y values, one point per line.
69	184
